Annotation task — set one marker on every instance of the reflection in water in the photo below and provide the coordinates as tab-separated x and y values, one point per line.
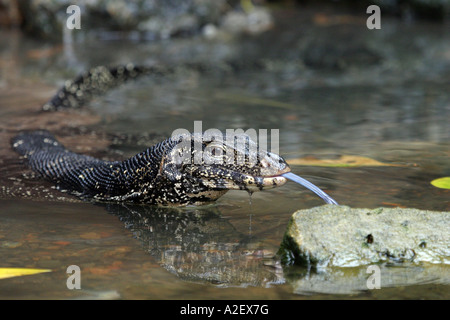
198	244
365	278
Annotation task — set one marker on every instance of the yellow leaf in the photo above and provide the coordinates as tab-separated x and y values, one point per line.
17	272
443	183
342	161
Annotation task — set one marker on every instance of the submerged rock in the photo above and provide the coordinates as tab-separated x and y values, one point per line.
140	19
151	19
340	236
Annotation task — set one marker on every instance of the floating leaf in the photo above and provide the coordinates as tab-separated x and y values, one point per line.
342	161
17	272
443	183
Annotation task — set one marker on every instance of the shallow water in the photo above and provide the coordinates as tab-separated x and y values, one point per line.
395	111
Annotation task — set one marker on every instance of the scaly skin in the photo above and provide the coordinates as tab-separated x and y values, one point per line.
156	175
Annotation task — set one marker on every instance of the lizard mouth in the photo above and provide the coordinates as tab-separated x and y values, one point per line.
258	183
235	180
269	181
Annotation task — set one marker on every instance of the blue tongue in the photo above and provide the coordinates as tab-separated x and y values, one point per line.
310	186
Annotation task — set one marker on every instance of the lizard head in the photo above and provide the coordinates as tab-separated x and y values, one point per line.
201	169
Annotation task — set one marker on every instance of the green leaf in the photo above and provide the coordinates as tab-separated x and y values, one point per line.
443	183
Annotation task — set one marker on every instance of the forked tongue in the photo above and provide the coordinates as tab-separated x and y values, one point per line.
310	186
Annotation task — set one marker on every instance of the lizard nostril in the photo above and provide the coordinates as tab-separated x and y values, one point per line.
265	163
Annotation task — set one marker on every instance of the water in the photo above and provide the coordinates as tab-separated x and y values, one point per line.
310	186
395	111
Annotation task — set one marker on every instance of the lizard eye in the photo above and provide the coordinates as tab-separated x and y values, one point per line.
216	149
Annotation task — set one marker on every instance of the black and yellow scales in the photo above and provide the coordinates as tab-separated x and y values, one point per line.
158	175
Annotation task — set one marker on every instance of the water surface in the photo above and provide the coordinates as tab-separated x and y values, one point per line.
394	108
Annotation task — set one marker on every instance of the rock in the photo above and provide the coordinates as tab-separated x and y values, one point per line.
153	19
160	27
210	31
340	236
257	20
235	22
